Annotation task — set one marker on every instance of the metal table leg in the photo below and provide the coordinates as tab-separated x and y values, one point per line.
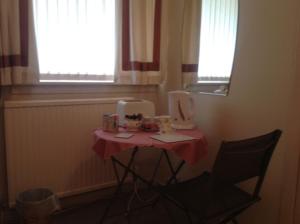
147	182
174	172
120	182
127	169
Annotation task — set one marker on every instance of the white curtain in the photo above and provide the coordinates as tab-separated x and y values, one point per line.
18	56
76	38
218	38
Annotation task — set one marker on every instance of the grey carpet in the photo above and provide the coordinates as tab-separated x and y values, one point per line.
91	214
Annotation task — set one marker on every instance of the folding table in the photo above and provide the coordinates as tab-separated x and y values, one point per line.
107	146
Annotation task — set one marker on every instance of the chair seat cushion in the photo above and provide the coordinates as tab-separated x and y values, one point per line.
194	195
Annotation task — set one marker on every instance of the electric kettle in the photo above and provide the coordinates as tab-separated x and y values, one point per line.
181	109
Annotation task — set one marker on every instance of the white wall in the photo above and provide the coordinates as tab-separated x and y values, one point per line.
261	93
290	206
3	191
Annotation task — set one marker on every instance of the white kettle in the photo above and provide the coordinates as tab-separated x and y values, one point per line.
182	109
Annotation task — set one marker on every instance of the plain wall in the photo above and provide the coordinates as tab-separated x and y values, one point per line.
3	186
290	206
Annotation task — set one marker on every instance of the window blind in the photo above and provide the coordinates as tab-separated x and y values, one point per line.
217	39
75	38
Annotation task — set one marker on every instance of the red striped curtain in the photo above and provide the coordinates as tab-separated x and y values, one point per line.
139	60
18	57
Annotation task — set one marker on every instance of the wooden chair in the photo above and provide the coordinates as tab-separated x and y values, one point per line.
215	197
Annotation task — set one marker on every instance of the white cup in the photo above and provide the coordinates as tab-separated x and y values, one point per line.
165	124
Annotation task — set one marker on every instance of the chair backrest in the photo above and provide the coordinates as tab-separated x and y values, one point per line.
238	161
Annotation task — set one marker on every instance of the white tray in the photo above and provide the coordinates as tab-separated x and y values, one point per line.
169	138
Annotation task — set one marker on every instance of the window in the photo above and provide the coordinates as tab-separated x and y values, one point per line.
75	39
217	40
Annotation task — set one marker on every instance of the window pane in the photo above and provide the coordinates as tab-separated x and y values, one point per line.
217	39
75	36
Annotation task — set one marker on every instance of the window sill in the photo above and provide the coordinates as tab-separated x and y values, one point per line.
217	88
212	82
87	83
76	81
80	90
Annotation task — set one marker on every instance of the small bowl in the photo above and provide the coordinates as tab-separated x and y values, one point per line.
149	125
132	125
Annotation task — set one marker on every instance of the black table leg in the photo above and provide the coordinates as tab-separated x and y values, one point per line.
120	182
127	170
170	165
173	175
116	171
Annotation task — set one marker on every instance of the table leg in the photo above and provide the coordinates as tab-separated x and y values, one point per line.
170	164
119	187
135	179
174	173
147	182
127	170
173	177
132	197
116	171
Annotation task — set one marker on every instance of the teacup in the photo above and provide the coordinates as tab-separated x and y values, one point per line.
164	123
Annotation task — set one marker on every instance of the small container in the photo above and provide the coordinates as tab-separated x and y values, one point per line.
110	122
132	125
115	122
149	124
133	122
105	122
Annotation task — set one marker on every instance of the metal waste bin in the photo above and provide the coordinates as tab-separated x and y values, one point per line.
36	206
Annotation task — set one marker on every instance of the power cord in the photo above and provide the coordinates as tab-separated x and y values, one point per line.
137	194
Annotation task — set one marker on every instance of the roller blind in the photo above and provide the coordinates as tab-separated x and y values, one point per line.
217	39
75	38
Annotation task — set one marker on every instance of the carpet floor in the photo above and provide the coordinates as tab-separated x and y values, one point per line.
162	213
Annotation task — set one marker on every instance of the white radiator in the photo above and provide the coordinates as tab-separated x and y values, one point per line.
48	144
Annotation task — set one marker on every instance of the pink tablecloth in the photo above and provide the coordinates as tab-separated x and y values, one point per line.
107	145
